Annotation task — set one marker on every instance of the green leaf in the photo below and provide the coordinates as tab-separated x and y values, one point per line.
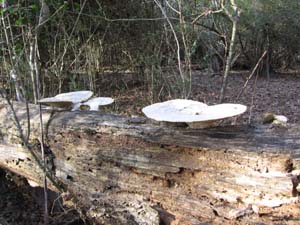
11	10
20	21
18	48
34	7
77	6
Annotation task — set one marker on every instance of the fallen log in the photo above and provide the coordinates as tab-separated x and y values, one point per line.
132	171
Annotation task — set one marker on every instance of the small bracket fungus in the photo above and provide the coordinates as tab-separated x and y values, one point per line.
95	103
280	119
270	118
67	100
195	114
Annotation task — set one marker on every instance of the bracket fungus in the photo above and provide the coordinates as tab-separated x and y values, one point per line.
280	119
195	114
67	100
270	118
95	103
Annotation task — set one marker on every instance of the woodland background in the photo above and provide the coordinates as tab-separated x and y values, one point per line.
49	47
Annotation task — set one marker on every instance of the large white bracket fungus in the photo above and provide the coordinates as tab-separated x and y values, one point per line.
195	114
67	100
95	103
77	100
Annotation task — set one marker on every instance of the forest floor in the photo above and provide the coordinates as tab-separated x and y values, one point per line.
21	204
278	95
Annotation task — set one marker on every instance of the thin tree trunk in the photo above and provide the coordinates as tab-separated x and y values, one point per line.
268	58
44	14
12	55
228	60
234	19
182	76
32	71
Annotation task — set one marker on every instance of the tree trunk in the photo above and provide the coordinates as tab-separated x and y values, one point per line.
228	61
234	19
131	171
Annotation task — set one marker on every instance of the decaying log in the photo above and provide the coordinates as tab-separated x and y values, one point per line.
132	171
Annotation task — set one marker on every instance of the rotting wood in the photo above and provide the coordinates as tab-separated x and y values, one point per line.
131	171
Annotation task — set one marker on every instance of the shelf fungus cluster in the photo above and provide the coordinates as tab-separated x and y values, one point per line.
195	114
77	100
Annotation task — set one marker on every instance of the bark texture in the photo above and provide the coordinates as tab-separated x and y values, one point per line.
132	171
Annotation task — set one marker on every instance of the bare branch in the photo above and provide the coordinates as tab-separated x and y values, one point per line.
206	13
251	75
68	41
171	7
177	44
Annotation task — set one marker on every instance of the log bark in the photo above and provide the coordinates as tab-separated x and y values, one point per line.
133	171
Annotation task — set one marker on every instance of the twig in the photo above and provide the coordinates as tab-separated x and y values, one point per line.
15	118
252	100
26	144
172	8
123	19
7	28
28	122
42	142
68	41
177	44
251	75
206	13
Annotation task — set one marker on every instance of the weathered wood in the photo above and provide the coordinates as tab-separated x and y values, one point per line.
132	171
